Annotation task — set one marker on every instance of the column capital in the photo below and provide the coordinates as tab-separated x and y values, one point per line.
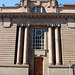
27	25
58	25
50	25
53	25
23	24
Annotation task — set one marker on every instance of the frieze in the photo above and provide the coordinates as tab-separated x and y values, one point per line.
40	21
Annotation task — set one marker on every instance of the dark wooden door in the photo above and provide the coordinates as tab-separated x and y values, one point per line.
38	66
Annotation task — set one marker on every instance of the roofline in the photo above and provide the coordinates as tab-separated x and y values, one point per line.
12	7
67	4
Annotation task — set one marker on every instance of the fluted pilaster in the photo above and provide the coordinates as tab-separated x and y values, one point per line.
57	46
50	45
19	48
25	53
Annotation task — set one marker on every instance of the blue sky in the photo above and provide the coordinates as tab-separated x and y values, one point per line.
13	2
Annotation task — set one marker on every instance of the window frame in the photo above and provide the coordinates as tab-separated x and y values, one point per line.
41	38
35	9
45	37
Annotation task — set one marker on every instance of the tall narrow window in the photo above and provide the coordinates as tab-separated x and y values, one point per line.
38	38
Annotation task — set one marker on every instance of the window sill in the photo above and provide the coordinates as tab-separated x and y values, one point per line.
41	52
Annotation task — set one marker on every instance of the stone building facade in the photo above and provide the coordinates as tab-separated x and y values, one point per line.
37	37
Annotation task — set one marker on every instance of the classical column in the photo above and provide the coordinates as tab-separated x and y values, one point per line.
19	46
50	45
25	53
57	46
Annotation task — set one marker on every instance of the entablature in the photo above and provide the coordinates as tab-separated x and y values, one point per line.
38	15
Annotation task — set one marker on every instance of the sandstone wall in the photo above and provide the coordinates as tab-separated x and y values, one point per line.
7	44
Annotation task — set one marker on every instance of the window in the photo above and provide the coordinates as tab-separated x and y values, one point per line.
38	38
38	9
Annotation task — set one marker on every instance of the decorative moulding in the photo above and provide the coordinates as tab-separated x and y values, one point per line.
71	23
38	3
40	52
7	22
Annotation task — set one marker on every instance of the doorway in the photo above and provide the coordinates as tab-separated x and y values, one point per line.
38	66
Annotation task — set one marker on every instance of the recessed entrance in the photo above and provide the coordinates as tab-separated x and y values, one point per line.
38	66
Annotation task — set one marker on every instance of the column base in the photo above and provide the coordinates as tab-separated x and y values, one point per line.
58	63
25	64
18	63
51	64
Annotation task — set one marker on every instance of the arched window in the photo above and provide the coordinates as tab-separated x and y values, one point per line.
38	9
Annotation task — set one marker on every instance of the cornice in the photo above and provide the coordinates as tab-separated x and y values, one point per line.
38	15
